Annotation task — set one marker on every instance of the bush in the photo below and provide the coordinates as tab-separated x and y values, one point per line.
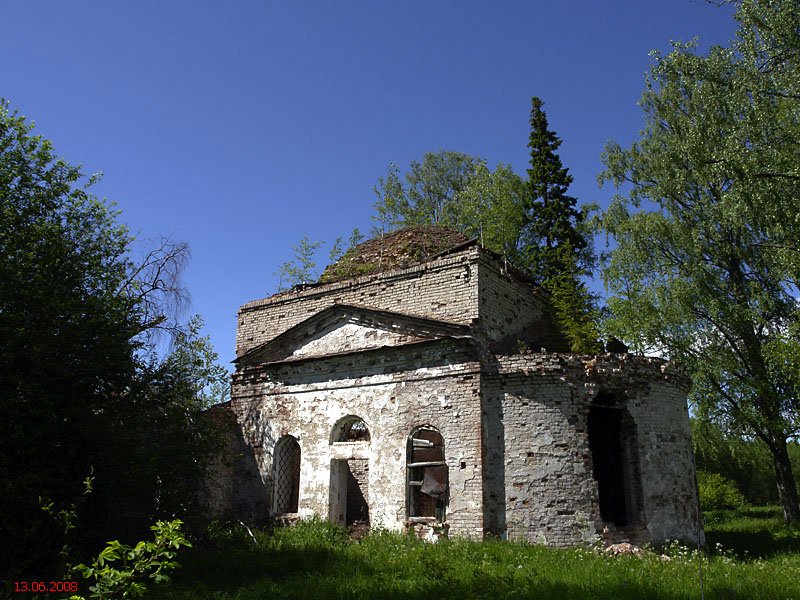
718	492
122	571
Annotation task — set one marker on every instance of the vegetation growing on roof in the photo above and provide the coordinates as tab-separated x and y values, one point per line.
397	250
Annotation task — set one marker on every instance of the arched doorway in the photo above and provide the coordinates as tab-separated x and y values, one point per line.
349	488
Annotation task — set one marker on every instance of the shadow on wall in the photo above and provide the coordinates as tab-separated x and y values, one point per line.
386	361
234	488
494	460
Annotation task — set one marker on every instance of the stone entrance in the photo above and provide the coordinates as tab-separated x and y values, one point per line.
349	492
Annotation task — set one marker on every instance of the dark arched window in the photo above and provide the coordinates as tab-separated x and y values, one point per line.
351	429
427	476
287	475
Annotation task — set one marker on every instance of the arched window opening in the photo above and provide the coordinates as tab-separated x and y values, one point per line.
351	429
615	460
426	476
287	475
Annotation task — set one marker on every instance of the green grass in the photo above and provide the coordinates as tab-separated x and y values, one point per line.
317	560
757	532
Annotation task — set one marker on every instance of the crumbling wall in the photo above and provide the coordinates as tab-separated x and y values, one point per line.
515	426
655	397
547	492
444	289
550	491
234	488
671	505
394	390
514	314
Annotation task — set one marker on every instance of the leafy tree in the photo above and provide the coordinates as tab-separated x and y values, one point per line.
710	273
574	307
434	186
556	243
717	492
391	204
65	331
122	571
535	225
356	238
492	209
338	251
302	269
431	195
746	461
194	361
81	394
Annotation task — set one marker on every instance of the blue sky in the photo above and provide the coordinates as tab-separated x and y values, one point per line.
240	127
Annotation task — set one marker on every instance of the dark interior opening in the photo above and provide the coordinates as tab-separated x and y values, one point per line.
609	461
357	506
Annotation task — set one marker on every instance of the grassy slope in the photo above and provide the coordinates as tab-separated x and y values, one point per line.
316	560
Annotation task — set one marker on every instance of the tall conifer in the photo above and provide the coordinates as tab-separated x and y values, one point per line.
557	248
553	221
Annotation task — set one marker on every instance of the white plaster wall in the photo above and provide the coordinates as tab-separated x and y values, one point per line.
346	337
445	396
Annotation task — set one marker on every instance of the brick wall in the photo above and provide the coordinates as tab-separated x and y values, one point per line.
513	312
444	289
515	426
539	460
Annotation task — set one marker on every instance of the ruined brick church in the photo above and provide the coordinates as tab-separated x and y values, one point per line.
422	385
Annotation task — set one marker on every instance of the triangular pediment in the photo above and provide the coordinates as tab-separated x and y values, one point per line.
345	328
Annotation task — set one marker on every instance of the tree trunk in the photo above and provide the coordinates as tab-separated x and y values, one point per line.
787	487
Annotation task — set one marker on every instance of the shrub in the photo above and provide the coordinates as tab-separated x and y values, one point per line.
717	492
121	571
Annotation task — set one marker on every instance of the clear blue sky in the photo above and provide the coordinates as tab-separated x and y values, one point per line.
239	127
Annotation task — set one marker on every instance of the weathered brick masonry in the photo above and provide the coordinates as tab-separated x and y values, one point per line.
439	396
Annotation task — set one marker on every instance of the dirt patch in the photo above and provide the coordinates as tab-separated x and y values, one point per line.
358	530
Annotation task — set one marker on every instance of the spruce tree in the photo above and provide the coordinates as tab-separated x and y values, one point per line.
557	248
553	219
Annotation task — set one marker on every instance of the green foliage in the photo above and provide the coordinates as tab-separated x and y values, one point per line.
432	192
747	462
356	238
556	242
302	269
553	219
706	265
121	571
717	492
575	311
194	363
336	250
66	517
535	225
492	209
391	204
65	332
